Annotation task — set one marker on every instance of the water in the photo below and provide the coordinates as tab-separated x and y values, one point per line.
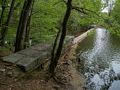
100	53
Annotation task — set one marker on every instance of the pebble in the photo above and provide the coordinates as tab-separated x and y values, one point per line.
9	74
2	71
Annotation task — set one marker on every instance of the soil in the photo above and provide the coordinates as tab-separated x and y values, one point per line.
67	77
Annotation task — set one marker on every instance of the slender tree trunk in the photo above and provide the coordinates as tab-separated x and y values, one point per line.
27	32
3	9
5	27
28	27
57	48
22	27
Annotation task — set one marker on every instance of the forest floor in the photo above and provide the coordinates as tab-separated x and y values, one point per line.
67	77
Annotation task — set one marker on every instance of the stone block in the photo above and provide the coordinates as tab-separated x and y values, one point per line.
30	52
30	58
30	63
13	58
41	47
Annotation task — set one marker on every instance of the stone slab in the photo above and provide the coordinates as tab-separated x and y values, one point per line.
13	58
29	63
42	48
30	52
30	58
26	63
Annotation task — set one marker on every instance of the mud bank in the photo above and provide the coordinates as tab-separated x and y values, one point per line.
67	67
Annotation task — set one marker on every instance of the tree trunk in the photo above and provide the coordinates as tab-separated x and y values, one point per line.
22	27
5	27
28	28
27	32
57	48
3	9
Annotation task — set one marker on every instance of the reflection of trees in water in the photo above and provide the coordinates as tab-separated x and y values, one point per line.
100	63
80	65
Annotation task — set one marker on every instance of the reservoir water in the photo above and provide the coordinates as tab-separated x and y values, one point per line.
100	53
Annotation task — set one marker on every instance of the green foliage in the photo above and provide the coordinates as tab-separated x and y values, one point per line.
48	14
116	12
115	18
80	21
15	19
46	19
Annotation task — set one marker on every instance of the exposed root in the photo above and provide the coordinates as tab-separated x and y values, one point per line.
58	81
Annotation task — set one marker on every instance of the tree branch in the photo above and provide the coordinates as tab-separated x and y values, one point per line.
84	11
79	10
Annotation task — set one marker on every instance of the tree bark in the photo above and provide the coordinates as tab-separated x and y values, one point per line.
28	27
58	44
3	9
22	27
5	27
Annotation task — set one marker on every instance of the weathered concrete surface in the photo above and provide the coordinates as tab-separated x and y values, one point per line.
28	63
13	58
30	53
81	37
29	58
33	61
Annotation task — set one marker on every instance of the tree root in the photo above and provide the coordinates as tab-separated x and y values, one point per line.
58	81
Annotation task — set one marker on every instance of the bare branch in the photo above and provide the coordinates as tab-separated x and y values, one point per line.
84	11
94	13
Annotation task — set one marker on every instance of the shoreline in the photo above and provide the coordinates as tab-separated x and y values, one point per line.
77	80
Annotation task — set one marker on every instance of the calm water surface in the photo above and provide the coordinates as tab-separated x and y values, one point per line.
100	53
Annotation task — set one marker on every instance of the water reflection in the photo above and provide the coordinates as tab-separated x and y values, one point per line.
101	59
100	45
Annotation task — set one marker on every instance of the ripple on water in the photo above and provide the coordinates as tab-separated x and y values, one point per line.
115	85
101	53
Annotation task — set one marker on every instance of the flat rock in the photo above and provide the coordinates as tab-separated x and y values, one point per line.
29	63
30	58
30	52
13	58
41	47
